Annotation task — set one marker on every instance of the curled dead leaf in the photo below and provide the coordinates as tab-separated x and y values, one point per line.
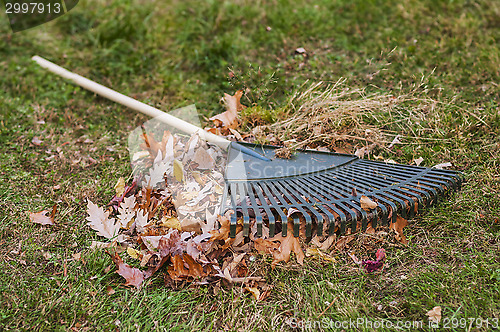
434	314
120	187
398	228
287	245
229	118
42	218
110	290
254	291
132	275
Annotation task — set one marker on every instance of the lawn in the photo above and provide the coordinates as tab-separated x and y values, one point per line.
444	56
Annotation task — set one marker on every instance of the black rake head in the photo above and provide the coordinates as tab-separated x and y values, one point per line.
324	190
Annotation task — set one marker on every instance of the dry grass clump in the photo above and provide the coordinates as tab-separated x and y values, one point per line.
338	116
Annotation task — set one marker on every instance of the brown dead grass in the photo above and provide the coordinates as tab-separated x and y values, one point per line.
336	115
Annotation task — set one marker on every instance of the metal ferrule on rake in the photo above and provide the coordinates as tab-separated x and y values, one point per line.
320	186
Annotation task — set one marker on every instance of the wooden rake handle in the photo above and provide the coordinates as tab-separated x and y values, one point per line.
136	105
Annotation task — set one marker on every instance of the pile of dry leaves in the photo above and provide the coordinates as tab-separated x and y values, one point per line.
169	219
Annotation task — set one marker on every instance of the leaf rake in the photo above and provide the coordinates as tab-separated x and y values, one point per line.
320	188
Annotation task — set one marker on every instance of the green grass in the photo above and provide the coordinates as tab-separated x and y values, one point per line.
172	54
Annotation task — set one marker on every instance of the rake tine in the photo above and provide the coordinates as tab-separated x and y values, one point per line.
445	175
419	198
232	226
397	175
299	186
390	203
343	219
285	188
234	219
244	209
257	189
391	195
324	205
279	209
255	208
428	196
384	210
330	218
340	201
394	195
368	188
276	191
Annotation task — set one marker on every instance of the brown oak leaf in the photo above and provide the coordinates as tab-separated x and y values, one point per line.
287	245
229	118
99	220
178	270
398	228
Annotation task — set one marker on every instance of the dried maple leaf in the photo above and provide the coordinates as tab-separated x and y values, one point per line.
366	203
398	228
99	220
132	275
42	218
229	118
